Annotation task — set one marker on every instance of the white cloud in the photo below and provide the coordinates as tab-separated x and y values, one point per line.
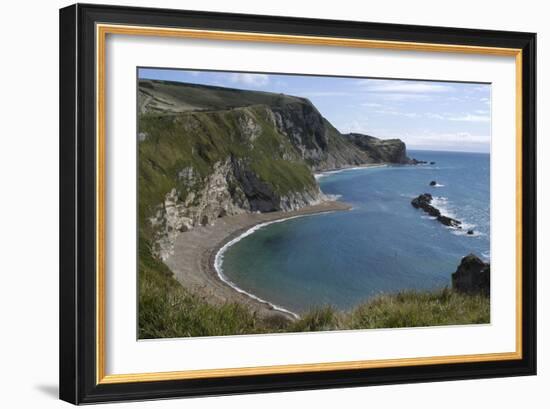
454	141
479	116
481	88
325	93
434	115
404	87
372	105
449	139
358	126
398	97
255	80
470	118
397	113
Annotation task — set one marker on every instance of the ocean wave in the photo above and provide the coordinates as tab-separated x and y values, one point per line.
332	197
218	262
464	231
438	185
326	173
442	203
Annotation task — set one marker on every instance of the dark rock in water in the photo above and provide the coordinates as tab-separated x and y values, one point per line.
449	221
424	202
433	183
432	163
473	276
414	161
470	232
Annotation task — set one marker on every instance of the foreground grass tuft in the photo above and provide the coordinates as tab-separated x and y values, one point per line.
420	309
167	310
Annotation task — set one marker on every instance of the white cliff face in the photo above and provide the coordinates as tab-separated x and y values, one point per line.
221	194
202	207
279	139
248	126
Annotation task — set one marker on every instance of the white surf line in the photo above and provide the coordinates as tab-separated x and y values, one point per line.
442	204
218	260
323	174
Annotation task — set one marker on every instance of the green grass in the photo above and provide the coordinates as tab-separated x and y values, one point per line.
201	138
167	310
186	96
420	309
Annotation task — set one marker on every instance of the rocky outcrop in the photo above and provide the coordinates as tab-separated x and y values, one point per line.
206	152
232	188
424	202
473	276
381	150
203	201
317	141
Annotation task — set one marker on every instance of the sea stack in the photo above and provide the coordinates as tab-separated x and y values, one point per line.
424	202
473	276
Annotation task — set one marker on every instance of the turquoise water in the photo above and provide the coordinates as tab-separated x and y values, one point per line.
382	245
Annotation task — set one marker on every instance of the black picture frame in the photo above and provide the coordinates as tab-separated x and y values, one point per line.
78	360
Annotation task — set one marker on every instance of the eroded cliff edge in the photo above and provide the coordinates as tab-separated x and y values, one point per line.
206	152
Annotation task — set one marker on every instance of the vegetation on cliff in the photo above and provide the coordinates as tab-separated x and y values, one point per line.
167	310
208	152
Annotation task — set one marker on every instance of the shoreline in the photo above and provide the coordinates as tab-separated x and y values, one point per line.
196	252
218	260
327	172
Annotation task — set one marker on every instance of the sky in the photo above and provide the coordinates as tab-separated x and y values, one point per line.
426	115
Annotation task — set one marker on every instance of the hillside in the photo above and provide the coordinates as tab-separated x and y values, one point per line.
206	152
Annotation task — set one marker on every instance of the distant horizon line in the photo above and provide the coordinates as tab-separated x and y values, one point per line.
446	150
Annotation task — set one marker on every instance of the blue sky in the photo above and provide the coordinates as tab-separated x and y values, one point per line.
425	114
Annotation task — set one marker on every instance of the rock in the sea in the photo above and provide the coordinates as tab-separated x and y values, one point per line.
414	161
449	221
432	163
473	276
470	232
433	183
424	202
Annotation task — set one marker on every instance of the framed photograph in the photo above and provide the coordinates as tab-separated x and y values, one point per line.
258	203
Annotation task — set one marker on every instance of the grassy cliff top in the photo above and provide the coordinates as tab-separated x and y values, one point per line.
175	97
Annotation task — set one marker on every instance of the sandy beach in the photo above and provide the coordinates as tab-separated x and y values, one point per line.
195	251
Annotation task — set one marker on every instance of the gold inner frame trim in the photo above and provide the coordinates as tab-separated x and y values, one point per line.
101	33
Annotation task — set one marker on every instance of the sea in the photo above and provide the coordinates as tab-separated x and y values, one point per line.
382	245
